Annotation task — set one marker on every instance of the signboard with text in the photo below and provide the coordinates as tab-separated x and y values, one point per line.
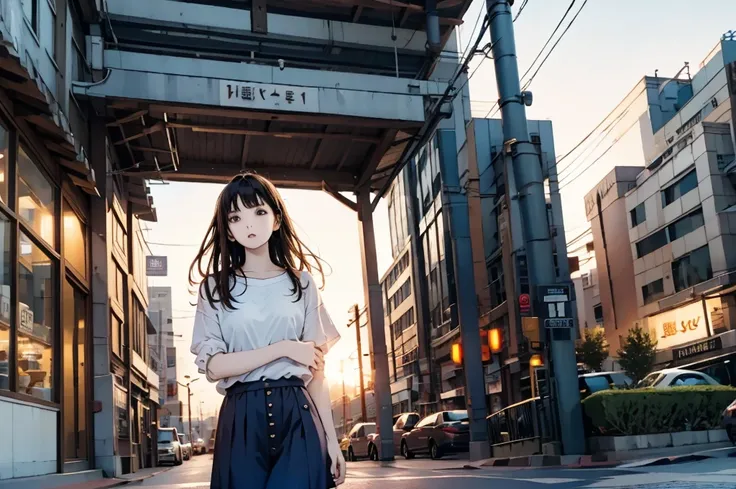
555	306
706	346
156	266
266	96
681	325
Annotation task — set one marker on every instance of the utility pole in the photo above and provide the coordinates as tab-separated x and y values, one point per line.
189	402
528	174
344	400
363	409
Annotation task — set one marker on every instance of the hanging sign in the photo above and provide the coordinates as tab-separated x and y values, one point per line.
265	96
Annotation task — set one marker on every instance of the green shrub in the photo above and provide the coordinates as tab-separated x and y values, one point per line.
650	411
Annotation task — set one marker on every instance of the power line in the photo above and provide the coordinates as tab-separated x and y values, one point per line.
521	9
174	244
559	24
529	82
551	36
615	141
571	167
582	141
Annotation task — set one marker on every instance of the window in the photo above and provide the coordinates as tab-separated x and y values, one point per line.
116	284
686	224
48	31
140	327
651	243
117	336
75	241
678	189
398	269
405	321
5	283
119	236
35	320
692	269
638	215
598	313
400	295
428	421
497	286
455	416
30	12
165	436
653	291
4	155
35	197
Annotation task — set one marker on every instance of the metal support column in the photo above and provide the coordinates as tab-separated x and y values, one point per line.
376	332
455	202
530	187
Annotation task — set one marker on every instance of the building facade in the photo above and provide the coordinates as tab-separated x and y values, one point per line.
77	390
419	287
678	214
615	307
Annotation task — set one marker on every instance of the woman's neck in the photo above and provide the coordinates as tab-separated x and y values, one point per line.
258	263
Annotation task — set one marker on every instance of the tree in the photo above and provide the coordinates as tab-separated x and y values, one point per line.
637	353
593	350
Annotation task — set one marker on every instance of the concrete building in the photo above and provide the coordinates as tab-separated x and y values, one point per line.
161	313
419	287
588	303
76	388
677	214
614	298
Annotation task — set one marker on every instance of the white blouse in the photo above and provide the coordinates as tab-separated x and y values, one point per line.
265	313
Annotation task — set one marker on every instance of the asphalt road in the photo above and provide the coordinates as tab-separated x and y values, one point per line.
446	474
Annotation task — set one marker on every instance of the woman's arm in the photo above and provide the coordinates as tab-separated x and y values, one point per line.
235	364
319	390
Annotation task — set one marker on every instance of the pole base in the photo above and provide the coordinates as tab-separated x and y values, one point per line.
479	450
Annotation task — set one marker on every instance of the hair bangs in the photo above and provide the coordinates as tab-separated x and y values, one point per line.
249	193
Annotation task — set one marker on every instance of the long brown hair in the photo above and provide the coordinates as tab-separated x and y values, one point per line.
219	259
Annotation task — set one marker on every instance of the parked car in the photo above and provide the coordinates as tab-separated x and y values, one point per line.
211	441
199	447
186	446
600	381
360	438
728	421
403	423
438	434
675	377
169	447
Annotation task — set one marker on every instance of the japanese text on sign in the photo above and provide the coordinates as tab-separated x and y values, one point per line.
268	96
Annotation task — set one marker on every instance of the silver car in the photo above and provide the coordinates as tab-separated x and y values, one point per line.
360	438
438	434
169	448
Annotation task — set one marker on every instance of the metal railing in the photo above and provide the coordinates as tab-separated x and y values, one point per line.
526	421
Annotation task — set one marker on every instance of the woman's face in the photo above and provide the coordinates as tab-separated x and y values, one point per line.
252	227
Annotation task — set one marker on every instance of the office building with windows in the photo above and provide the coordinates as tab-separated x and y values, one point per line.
420	298
678	214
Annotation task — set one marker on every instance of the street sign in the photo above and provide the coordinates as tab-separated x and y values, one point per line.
555	306
156	266
525	304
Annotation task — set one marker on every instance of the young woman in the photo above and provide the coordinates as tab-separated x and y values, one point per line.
261	332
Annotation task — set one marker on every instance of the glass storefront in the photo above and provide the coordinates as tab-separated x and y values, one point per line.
44	327
36	318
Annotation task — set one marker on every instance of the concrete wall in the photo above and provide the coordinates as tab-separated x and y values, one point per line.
29	443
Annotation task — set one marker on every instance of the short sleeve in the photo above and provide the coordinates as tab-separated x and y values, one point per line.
318	325
207	338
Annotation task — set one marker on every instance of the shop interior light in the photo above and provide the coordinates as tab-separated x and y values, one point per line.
457	353
495	340
536	361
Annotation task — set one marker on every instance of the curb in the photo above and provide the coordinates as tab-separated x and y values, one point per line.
595	461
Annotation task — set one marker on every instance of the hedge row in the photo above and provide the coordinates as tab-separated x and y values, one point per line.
650	411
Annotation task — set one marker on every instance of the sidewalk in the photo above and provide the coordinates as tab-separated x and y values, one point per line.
139	476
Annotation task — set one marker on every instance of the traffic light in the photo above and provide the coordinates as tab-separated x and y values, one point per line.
457	353
495	340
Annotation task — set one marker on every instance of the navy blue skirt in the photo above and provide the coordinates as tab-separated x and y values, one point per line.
270	436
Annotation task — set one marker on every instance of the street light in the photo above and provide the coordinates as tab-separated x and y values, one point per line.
189	401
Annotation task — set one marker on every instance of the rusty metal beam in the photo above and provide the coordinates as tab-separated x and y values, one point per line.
171	141
159	126
199	171
275	134
126	119
339	197
374	159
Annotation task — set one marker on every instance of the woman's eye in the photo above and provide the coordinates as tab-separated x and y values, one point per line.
261	212
233	219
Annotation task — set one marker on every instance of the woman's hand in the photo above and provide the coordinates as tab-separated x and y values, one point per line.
338	462
305	353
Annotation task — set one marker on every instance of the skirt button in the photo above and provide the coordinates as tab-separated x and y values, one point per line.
306	407
273	436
